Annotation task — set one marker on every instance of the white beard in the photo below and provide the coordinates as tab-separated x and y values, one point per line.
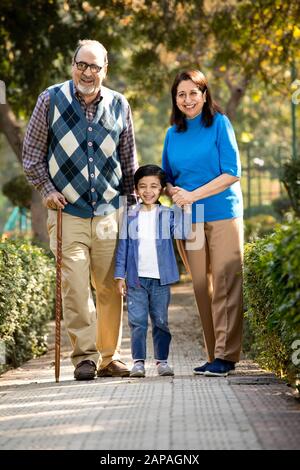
86	90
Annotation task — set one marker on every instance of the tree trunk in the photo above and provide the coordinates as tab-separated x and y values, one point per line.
11	129
39	218
13	132
236	95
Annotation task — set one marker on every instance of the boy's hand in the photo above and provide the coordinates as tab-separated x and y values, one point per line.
170	190
121	287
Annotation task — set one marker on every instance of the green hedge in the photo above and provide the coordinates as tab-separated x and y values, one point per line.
26	300
291	178
259	226
272	297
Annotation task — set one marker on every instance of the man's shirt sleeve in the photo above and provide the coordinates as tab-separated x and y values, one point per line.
128	158
35	147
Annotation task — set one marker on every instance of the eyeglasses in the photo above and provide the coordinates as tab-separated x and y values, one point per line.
82	66
193	94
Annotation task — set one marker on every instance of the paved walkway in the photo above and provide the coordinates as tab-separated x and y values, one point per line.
248	410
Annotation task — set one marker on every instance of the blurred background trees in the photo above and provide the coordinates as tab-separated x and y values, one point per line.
248	50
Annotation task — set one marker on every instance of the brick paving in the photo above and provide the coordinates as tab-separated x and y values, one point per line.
248	410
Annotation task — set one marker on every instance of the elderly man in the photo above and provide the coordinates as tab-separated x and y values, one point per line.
79	153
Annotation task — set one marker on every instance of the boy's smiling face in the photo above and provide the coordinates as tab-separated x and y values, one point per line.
149	189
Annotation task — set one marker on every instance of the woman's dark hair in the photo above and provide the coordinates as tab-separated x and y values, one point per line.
210	107
150	170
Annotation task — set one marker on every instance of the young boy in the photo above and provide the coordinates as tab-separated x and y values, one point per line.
145	257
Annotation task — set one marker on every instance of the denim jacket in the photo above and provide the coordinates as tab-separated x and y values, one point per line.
170	224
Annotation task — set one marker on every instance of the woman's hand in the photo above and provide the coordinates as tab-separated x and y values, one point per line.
182	197
121	287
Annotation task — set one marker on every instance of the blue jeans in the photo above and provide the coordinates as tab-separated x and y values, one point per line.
150	298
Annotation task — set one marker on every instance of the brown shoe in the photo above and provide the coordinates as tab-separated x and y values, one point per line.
114	369
85	370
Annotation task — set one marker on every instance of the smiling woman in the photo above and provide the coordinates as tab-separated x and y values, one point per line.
190	99
202	164
190	95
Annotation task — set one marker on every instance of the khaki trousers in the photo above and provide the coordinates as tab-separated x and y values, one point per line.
216	269
88	257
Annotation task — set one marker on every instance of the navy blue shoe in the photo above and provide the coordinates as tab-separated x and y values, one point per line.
219	368
201	369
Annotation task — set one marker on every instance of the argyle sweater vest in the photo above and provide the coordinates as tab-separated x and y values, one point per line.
83	158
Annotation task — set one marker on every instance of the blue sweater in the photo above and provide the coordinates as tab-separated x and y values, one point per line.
83	158
197	156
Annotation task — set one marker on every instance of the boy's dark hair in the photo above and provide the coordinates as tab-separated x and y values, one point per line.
150	170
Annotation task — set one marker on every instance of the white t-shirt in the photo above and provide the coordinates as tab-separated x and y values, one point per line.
148	265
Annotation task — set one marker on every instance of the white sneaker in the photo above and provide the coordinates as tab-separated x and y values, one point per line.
163	368
138	370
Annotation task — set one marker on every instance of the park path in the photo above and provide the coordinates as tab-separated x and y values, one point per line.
248	410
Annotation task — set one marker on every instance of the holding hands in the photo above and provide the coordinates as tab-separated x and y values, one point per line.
180	196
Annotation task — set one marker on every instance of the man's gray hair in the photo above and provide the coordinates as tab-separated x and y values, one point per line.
90	42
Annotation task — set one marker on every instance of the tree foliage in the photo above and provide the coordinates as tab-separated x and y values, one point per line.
36	40
148	41
246	48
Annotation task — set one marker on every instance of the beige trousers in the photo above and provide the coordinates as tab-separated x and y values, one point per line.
88	258
216	269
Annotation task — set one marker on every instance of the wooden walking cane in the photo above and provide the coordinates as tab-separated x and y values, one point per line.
58	304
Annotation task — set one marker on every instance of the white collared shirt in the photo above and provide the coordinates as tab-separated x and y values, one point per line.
147	254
